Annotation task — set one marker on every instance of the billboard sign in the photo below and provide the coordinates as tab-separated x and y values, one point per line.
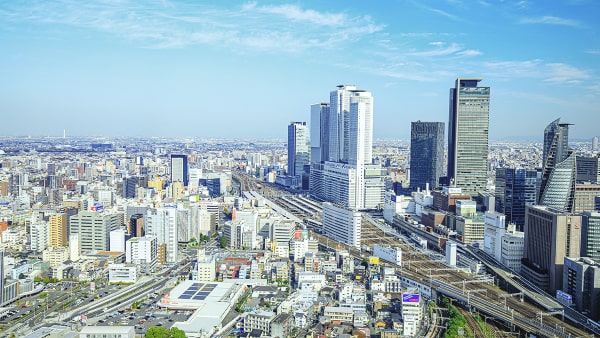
410	298
564	297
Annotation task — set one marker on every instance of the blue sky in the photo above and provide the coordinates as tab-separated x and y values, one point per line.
246	69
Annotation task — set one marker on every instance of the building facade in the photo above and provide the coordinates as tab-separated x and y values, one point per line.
550	235
94	229
468	128
179	169
426	154
516	189
557	187
298	148
342	224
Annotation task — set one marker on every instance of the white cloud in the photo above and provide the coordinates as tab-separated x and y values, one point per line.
551	20
563	73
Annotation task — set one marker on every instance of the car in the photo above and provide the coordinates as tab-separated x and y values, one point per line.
23	306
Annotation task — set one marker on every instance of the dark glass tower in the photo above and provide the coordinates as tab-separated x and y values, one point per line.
426	154
515	190
179	169
468	128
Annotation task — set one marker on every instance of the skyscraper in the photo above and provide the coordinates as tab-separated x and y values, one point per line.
557	188
515	190
298	148
550	235
179	169
426	154
346	176
319	132
94	229
468	135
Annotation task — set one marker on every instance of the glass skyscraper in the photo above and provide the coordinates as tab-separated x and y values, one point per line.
468	128
298	148
516	189
426	154
557	188
179	169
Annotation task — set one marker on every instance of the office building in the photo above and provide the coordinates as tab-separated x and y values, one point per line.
516	189
426	154
347	177
179	169
117	240
129	186
588	169
557	188
162	223
319	132
135	227
94	229
342	224
74	247
585	197
468	135
298	148
58	230
581	285
595	143
590	235
38	232
142	251
513	243
550	235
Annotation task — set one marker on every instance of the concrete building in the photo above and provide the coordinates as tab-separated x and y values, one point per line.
107	332
58	230
206	267
494	230
162	223
513	243
590	235
585	197
342	224
550	235
74	247
259	320
117	240
123	273
142	251
342	314
581	282
179	169
412	313
319	132
94	229
468	128
39	236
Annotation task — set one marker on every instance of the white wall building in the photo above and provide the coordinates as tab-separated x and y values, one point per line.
142	250
39	236
342	224
393	255
513	243
494	229
122	273
397	205
206	267
412	313
74	247
117	240
451	253
162	224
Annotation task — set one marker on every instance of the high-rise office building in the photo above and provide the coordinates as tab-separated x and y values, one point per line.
94	229
347	176
426	154
319	132
590	235
581	280
550	235
162	224
588	169
298	148
58	230
595	143
179	169
557	188
468	135
516	189
129	186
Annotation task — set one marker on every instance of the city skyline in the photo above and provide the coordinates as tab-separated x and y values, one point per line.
162	69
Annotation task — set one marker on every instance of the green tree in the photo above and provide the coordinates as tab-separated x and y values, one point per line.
21	275
161	332
223	242
177	333
157	332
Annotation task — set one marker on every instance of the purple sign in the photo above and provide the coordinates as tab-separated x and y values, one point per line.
410	298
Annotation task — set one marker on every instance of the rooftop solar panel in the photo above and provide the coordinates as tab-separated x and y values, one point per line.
185	297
